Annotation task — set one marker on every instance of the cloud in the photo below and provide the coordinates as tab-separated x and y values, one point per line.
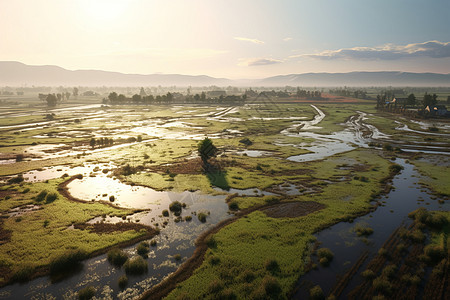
259	62
434	49
287	39
254	41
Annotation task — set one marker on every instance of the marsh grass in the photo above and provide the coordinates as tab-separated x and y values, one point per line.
136	265
117	257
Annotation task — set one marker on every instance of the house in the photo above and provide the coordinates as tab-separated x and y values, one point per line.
438	110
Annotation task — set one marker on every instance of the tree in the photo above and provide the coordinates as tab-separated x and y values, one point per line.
448	99
92	142
411	99
75	92
113	97
142	93
429	100
206	149
51	100
136	98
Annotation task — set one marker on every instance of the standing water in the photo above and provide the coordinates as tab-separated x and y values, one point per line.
347	247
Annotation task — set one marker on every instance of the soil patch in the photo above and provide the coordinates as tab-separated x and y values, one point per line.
292	209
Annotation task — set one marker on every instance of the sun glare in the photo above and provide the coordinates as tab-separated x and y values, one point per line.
105	10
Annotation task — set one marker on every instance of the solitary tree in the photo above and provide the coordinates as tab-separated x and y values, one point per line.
206	149
51	100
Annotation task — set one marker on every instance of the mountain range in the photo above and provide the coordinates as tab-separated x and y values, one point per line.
18	74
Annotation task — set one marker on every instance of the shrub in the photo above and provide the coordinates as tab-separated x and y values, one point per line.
26	190
434	252
214	260
67	261
41	196
188	218
233	205
325	252
227	294
316	293
51	197
271	286
368	274
395	168
112	198
417	236
143	249
272	266
363	230
18	179
202	217
176	207
211	241
165	213
215	286
117	257
382	285
389	271
324	261
248	276
86	293
177	257
153	243
123	281
136	265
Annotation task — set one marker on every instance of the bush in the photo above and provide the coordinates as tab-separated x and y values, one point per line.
143	249
368	274
248	276
123	281
215	286
324	261
272	266
271	286
363	230
153	243
382	285
177	257
389	271
136	265
176	207
165	213
233	205
67	261
434	252
51	197
227	294
117	257
202	217
18	179
211	241
86	293
395	168
214	260
316	293
41	196
325	252
417	236
188	218
112	198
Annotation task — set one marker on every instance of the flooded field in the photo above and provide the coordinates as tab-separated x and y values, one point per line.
75	180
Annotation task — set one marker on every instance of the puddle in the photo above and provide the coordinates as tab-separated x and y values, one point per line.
254	153
19	211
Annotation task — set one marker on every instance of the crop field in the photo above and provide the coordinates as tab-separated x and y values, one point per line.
291	200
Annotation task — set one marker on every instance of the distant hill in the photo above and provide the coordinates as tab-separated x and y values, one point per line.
18	74
358	79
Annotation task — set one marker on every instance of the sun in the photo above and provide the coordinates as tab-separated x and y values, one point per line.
105	10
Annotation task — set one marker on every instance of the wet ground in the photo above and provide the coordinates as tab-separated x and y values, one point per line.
178	235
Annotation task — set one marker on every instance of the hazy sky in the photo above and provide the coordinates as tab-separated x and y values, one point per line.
228	38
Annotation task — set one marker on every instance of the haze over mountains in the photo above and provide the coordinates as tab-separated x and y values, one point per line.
19	74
